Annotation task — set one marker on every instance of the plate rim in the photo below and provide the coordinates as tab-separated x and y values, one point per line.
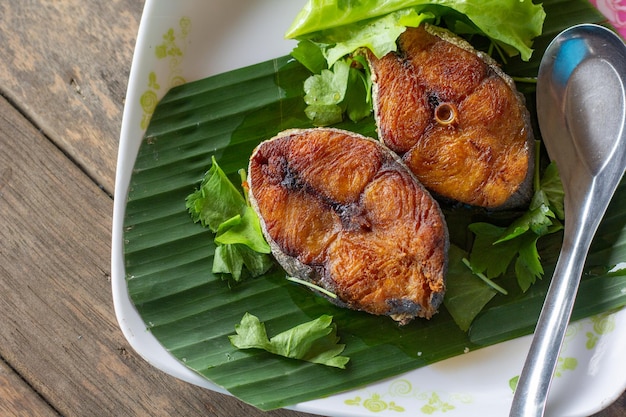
131	324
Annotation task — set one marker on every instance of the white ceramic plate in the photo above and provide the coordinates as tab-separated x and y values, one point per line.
192	39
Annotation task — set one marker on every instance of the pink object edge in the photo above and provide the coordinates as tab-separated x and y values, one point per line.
615	12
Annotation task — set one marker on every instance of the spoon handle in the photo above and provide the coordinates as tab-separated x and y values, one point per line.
534	382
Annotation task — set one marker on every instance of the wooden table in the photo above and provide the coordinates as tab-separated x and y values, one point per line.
64	67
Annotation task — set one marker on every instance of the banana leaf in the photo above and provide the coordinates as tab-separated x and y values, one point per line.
168	258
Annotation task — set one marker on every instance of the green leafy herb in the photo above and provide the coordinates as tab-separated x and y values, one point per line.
345	88
466	294
359	86
324	92
314	341
216	201
244	229
221	207
310	55
332	33
231	258
484	278
553	190
496	247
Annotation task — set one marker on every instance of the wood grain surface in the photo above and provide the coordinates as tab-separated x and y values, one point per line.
64	67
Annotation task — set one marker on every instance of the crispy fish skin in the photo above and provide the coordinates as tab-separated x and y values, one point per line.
455	118
343	212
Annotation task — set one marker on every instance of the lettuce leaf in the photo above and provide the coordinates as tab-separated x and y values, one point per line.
330	31
513	23
378	35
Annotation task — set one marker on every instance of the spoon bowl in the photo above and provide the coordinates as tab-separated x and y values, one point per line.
581	107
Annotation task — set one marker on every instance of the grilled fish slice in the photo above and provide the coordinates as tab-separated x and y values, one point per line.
455	118
341	211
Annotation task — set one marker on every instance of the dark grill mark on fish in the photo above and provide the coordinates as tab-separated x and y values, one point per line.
455	118
348	216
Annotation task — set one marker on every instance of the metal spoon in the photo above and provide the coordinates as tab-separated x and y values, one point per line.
581	106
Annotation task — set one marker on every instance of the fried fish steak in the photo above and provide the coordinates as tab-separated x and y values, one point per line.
341	211
455	118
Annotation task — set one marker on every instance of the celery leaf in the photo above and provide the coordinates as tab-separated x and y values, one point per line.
495	248
314	341
216	201
466	295
220	206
